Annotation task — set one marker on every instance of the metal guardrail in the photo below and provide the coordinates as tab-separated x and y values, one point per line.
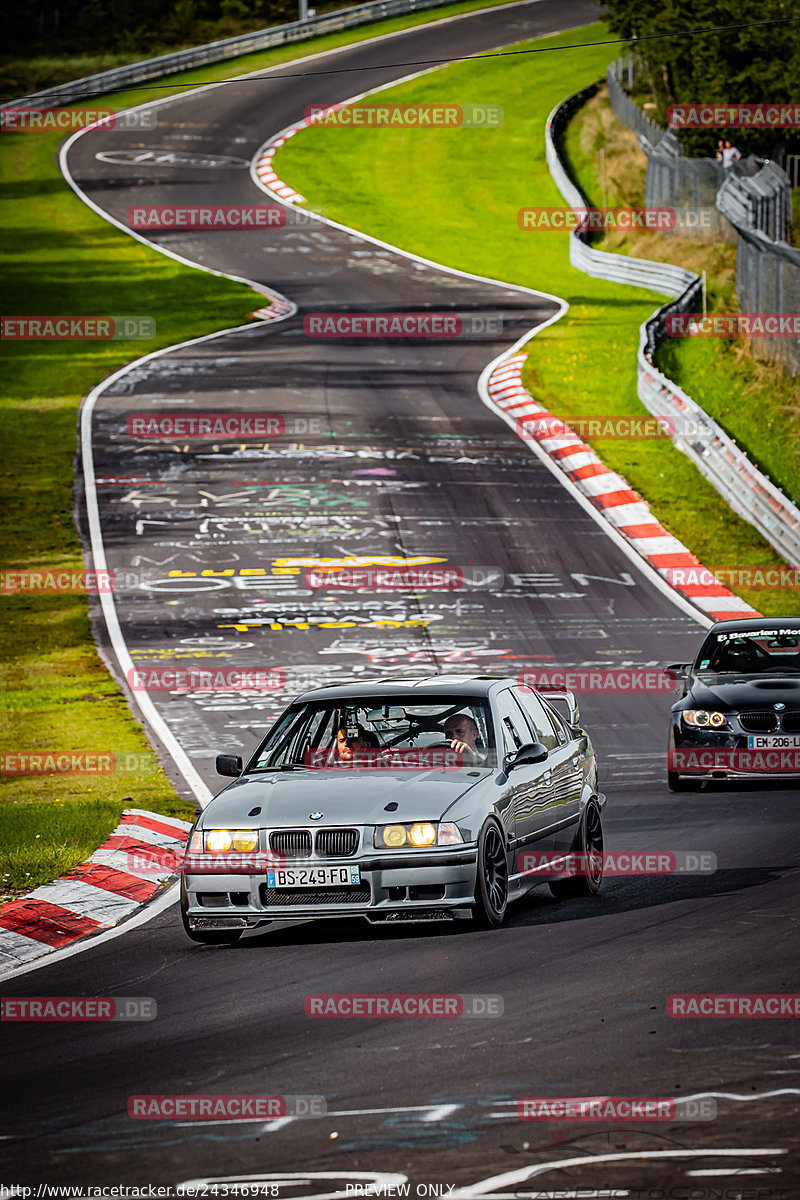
761	187
617	268
748	492
198	56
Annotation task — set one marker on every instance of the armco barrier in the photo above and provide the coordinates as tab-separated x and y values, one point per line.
748	492
200	56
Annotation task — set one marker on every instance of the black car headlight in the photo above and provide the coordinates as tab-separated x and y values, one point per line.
701	718
416	835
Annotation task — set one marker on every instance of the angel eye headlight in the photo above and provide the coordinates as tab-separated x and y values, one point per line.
701	718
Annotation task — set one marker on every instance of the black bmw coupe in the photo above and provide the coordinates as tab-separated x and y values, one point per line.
739	714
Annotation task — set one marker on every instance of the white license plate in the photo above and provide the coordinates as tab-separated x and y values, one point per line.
773	741
307	877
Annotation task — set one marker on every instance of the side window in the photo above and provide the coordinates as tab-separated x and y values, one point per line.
512	723
544	727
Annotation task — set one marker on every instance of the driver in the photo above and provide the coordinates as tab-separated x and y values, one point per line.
461	731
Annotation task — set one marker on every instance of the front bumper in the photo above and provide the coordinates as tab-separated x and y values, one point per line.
724	754
394	888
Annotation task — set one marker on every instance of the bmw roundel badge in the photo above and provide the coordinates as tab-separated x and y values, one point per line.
316	816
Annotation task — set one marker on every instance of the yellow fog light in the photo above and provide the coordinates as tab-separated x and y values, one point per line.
423	835
245	839
394	835
218	840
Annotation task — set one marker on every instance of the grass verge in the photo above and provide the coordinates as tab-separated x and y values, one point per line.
56	693
454	196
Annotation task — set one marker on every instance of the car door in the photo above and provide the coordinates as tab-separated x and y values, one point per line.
528	790
565	760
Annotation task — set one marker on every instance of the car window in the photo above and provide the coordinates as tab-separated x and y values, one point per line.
512	722
751	651
544	727
405	721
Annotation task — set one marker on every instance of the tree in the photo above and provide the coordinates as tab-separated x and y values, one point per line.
735	66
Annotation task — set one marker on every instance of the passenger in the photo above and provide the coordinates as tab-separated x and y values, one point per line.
345	745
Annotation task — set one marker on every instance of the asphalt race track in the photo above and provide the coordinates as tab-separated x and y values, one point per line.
392	453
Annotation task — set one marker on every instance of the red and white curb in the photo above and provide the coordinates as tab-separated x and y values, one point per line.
98	893
610	493
265	172
277	310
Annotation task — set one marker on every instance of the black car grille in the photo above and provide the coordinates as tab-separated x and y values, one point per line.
336	843
301	896
791	722
758	722
293	843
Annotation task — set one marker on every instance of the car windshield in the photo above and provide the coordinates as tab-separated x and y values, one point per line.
751	652
375	723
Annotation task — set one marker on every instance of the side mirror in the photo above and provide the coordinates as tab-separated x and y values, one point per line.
531	752
678	668
229	764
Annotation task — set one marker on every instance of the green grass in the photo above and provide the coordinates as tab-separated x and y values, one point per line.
454	195
44	839
61	258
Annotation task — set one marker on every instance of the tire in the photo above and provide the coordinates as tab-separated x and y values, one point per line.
491	883
588	840
210	937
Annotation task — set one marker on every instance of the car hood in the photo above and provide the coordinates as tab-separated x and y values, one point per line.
744	691
287	798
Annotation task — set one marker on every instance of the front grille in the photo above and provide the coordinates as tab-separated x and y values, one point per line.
791	722
758	722
293	843
301	896
336	843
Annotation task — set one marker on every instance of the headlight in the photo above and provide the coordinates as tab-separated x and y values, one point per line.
422	835
416	834
219	841
700	718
